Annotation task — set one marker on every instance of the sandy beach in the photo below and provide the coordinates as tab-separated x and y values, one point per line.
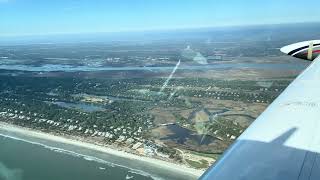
147	160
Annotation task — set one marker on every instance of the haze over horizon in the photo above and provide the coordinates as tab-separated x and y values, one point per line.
35	17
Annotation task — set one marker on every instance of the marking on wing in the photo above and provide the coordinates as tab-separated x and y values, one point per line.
300	49
310	50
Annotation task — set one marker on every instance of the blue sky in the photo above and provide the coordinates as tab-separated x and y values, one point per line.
32	17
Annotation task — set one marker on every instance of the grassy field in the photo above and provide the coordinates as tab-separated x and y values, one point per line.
213	155
202	164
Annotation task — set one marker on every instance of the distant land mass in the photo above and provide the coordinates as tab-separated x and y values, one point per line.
281	33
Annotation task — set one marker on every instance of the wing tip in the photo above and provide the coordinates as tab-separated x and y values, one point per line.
300	49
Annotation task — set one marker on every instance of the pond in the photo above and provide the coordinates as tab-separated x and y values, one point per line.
182	135
80	106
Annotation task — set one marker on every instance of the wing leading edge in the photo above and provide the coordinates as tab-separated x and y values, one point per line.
284	141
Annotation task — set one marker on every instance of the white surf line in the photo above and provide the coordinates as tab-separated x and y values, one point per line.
28	133
165	84
85	157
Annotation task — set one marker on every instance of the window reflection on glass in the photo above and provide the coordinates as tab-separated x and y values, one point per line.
128	91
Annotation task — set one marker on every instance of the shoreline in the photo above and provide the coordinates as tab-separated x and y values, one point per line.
103	149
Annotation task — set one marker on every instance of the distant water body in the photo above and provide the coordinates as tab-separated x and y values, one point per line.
69	68
25	160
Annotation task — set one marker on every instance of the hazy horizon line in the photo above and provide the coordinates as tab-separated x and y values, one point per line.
153	30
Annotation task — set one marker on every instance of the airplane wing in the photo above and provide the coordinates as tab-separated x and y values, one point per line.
283	143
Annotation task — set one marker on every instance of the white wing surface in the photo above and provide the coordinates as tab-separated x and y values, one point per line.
283	143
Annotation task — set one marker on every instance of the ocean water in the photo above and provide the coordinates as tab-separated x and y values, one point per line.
21	160
35	159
